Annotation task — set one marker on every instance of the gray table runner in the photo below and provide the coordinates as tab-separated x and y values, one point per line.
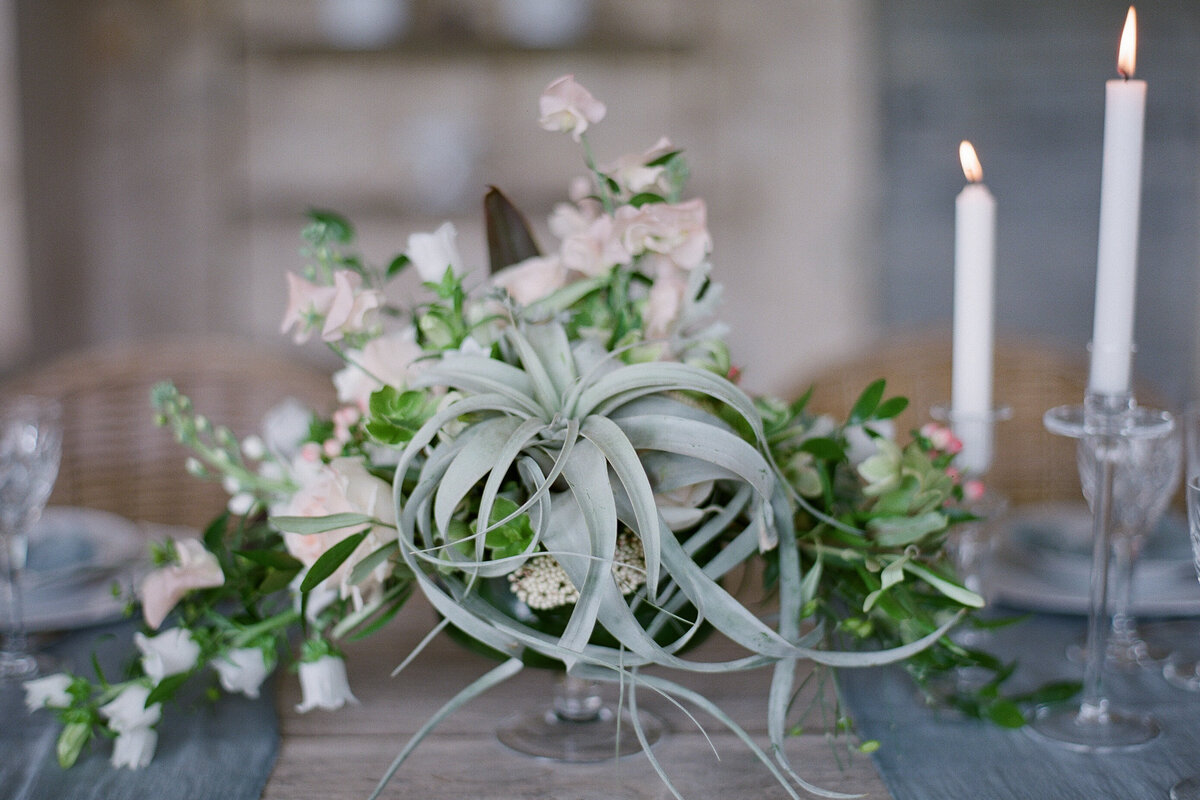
223	750
930	755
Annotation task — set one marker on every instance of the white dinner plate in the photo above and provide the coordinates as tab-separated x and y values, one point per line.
75	557
1043	563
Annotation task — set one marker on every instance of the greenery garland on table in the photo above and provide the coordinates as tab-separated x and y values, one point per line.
570	430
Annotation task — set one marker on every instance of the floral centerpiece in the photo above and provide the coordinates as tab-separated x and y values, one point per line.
559	458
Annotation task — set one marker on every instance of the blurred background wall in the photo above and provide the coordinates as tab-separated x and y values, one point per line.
156	156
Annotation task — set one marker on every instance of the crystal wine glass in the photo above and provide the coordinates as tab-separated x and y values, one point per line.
1183	670
1144	485
1189	788
30	449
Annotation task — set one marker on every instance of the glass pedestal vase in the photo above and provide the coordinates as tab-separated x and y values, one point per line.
579	727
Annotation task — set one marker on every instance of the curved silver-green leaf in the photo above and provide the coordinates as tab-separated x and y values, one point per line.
608	437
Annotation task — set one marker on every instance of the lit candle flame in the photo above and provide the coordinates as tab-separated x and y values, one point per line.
970	162
1127	52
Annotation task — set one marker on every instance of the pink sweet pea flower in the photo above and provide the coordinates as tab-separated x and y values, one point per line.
589	246
307	303
352	306
197	568
633	174
567	107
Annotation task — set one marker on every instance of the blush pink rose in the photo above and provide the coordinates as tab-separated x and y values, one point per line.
664	301
567	107
676	230
388	359
342	486
532	279
197	568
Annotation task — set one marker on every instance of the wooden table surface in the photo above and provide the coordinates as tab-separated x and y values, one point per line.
342	754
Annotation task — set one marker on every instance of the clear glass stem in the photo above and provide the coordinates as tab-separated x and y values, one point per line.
576	699
1093	703
1123	628
14	649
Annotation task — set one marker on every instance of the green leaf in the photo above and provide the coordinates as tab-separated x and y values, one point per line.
867	402
309	525
892	407
276	580
664	159
824	448
900	531
509	239
335	226
1005	713
513	537
395	415
332	558
397	266
270	558
1050	693
166	688
645	198
214	533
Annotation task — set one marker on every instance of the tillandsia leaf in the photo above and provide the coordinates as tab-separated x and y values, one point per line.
553	347
586	474
475	459
544	389
612	442
509	239
478	375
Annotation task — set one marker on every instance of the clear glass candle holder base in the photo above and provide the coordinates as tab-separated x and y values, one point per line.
1095	729
17	667
579	727
604	737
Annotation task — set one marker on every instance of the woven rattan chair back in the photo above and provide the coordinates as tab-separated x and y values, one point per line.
1030	465
116	459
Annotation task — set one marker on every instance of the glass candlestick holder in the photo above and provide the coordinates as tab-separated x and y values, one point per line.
1106	425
